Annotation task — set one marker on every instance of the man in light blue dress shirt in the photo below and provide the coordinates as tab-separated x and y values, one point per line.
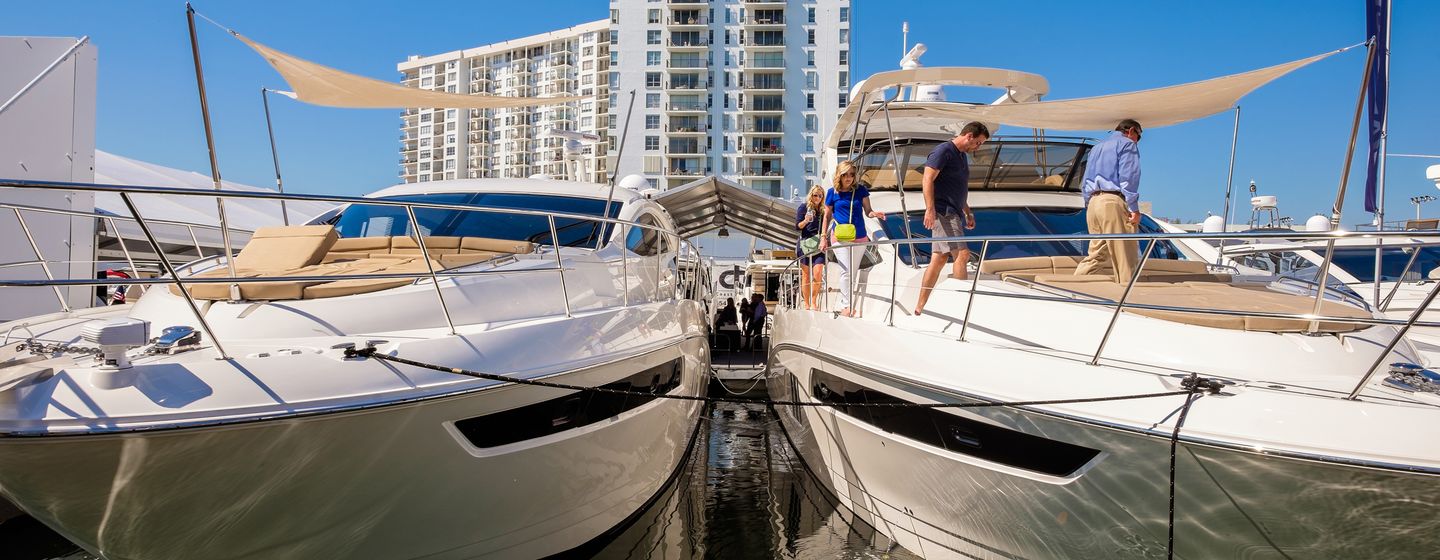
1112	202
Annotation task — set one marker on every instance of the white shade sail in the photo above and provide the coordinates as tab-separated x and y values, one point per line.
1152	107
322	85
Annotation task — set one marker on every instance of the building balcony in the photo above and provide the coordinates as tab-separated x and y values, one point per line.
685	3
687	44
685	172
766	45
697	129
687	63
752	129
759	62
695	150
763	151
686	85
774	84
760	173
759	4
686	107
764	21
687	21
763	108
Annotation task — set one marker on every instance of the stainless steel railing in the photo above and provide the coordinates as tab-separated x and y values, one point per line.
1321	288
677	246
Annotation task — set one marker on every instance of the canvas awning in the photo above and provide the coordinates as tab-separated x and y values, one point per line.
711	203
322	85
1152	107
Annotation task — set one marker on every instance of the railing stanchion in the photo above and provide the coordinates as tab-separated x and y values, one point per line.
429	266
64	305
126	250
1123	297
625	262
1382	305
199	254
1379	360
894	278
560	264
974	281
165	263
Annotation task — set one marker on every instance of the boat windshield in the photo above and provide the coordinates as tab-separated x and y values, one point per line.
1001	164
363	220
1360	262
1017	221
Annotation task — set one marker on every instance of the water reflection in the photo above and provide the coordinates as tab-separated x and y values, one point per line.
745	494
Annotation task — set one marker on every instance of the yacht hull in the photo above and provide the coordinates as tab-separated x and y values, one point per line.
940	503
394	481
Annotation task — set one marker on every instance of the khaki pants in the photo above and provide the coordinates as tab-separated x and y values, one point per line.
1107	213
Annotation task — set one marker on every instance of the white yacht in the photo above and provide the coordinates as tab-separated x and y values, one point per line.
1311	450
140	431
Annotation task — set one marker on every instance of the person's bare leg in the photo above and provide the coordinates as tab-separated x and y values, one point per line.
932	275
962	258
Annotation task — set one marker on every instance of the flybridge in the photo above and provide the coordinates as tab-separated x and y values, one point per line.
1010	164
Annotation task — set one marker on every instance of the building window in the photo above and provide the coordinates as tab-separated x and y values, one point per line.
426	82
652	142
652	100
652	37
652	16
809	101
844	36
812	124
809	165
844	100
809	58
810	36
809	14
614	16
809	143
652	122
614	58
844	58
652	58
844	79
652	79
812	80
844	14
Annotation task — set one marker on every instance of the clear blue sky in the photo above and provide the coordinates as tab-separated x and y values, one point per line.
1293	133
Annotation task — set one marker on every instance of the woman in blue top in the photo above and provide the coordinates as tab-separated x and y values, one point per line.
843	205
807	220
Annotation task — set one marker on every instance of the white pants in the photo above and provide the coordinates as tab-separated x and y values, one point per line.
852	279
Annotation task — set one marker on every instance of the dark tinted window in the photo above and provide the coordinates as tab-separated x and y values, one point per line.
1360	262
950	432
571	411
1018	221
368	220
1009	164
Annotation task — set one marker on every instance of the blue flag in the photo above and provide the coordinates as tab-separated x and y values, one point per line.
1377	26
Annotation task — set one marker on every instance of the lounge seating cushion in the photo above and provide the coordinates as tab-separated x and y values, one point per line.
286	247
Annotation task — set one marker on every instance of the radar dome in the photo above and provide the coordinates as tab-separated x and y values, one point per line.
1433	173
545	176
1213	224
1317	223
634	182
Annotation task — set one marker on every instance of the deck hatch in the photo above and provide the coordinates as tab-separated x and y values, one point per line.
950	432
570	411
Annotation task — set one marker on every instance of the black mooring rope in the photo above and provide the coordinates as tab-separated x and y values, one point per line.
1193	386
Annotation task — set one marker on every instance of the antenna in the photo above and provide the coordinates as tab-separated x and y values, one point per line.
575	167
904	37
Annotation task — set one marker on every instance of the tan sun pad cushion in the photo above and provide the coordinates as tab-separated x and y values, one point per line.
285	247
1216	296
490	244
365	285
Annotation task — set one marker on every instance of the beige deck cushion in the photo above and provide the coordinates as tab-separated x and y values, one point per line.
492	245
365	285
285	247
1031	265
435	245
358	247
1213	295
466	259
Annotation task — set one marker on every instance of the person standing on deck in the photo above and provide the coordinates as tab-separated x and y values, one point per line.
946	186
1112	202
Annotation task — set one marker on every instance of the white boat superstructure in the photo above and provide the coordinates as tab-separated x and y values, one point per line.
1297	456
250	433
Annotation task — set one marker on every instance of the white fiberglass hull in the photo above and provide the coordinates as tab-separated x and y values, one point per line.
940	499
396	481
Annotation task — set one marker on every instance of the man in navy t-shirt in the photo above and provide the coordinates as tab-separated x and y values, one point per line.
946	186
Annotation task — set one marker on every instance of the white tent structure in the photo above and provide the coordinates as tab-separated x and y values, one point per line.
243	215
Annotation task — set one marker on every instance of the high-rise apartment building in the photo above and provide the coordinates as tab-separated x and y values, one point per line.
743	89
438	143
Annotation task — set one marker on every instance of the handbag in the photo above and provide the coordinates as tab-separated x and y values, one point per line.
846	232
870	258
810	245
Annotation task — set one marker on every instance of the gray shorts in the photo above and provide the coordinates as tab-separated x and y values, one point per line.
948	225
